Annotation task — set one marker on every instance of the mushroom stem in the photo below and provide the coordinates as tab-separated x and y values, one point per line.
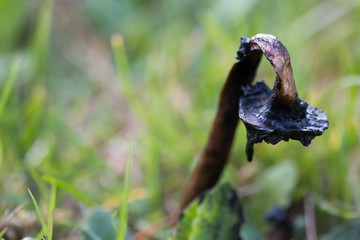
268	116
277	54
216	152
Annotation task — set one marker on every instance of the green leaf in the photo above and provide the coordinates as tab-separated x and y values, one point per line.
217	216
185	224
101	226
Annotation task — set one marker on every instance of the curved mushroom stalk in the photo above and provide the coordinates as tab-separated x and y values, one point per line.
216	152
277	54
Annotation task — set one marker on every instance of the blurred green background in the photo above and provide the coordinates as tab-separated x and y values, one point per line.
84	82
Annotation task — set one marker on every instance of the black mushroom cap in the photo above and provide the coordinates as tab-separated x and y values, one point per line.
278	114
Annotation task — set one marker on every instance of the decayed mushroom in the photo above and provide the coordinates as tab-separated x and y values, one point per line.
268	115
279	114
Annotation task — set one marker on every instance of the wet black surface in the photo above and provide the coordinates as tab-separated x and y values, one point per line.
272	122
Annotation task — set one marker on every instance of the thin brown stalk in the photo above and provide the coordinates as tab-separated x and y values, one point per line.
216	152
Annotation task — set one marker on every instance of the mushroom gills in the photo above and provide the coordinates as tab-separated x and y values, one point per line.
269	122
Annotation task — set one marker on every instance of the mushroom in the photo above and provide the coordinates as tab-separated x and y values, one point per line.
269	115
279	114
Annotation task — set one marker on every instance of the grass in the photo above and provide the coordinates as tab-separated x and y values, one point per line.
45	229
2	232
70	189
40	39
123	209
5	94
9	85
81	88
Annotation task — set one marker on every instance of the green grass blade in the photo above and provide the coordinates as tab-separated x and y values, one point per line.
90	233
9	85
39	183
3	232
336	12
52	204
40	215
40	39
124	73
40	235
122	63
125	80
71	189
123	210
127	88
113	216
331	209
1	152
